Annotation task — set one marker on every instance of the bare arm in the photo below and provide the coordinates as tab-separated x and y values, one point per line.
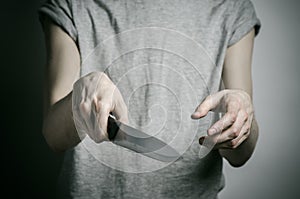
236	133
237	75
95	96
62	70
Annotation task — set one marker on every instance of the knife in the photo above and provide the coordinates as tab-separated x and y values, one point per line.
140	142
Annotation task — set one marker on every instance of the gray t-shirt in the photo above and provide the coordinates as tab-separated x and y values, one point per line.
165	56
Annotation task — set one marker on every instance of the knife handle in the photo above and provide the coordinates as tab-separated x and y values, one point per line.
112	128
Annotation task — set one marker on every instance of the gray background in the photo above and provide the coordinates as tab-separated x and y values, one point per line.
273	170
29	168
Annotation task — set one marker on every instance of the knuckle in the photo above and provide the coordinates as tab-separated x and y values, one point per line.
244	115
232	144
104	105
232	116
235	132
250	110
84	107
247	127
246	133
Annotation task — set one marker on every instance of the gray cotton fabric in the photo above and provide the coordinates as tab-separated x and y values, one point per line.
165	56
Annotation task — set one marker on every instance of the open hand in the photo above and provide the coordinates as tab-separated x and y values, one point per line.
234	127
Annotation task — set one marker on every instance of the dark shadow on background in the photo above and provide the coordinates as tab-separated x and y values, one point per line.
30	167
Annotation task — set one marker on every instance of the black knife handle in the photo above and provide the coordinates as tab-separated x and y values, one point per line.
112	128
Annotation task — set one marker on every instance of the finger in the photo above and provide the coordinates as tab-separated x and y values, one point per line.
210	102
209	141
203	108
236	142
102	118
232	144
246	128
207	144
225	122
234	130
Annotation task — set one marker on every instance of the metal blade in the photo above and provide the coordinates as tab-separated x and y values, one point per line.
140	142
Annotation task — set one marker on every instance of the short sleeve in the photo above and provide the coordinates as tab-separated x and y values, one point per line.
60	12
243	21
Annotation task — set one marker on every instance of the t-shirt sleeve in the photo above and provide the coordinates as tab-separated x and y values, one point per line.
60	12
243	21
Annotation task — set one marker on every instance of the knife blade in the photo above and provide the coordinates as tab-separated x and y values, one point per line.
140	142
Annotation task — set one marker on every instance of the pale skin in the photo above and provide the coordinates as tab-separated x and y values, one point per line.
238	127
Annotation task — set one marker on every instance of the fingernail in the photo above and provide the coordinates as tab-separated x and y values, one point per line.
201	140
196	114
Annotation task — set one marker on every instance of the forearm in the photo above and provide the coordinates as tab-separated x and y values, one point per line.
58	128
239	156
